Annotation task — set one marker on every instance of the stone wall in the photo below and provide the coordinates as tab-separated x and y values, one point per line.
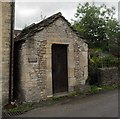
30	70
6	27
35	64
108	76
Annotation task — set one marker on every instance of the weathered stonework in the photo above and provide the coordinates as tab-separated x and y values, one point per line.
108	76
34	60
0	61
5	27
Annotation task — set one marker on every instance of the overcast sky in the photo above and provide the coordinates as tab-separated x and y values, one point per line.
30	12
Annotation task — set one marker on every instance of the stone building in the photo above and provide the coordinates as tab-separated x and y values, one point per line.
50	59
6	46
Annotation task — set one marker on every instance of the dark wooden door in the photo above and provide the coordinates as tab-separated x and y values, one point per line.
59	68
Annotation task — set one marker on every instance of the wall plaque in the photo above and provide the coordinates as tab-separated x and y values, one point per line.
32	60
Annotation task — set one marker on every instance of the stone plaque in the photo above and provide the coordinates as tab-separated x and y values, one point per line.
32	60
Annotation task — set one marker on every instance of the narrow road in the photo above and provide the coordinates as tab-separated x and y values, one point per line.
99	105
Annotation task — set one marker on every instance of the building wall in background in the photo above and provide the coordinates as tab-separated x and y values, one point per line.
5	49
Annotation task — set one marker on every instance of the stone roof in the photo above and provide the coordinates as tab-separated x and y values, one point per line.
33	28
16	33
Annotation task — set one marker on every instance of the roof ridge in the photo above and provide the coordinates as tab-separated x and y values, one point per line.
33	28
39	25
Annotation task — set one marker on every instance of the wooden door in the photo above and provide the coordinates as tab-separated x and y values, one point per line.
59	68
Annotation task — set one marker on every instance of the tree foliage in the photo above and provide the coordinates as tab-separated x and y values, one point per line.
97	25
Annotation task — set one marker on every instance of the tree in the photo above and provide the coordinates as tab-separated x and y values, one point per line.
114	37
96	24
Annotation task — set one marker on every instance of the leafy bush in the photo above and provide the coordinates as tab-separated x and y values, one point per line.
94	89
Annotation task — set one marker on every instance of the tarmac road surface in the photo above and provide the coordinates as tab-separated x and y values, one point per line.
98	105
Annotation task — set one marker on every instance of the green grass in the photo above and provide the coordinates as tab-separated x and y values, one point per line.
22	108
111	87
96	89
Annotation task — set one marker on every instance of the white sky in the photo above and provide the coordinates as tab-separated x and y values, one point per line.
30	11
